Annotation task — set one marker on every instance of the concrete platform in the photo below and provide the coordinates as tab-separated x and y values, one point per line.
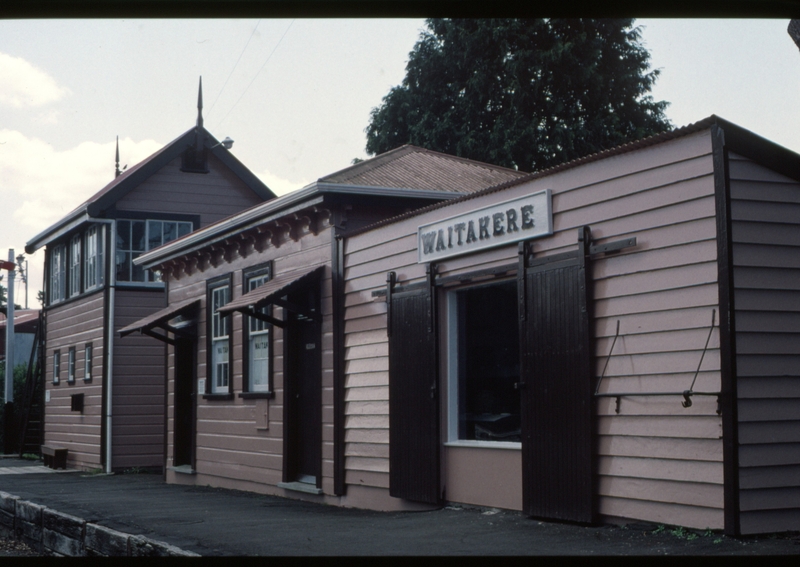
219	522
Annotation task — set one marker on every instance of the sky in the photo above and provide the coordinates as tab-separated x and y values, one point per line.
294	94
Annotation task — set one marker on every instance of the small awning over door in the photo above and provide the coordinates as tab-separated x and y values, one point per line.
160	319
272	292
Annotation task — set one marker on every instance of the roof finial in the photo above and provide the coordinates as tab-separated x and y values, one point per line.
199	137
117	171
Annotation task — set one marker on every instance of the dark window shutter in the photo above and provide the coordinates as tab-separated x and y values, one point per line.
413	398
557	396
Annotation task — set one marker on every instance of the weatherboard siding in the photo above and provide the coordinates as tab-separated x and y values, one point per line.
765	212
235	446
73	324
137	425
662	292
213	195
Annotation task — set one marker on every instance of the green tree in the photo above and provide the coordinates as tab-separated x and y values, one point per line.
521	93
4	298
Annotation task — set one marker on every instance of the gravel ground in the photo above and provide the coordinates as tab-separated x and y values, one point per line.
11	548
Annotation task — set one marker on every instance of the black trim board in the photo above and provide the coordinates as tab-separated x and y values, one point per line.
108	319
727	331
337	293
756	148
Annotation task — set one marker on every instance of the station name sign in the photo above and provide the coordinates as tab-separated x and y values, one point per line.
504	223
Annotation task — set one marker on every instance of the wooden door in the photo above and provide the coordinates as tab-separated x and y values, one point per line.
303	388
556	397
183	434
413	398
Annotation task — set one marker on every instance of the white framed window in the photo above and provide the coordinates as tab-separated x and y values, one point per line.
75	265
87	362
220	340
71	365
56	366
258	341
483	365
58	273
135	237
93	263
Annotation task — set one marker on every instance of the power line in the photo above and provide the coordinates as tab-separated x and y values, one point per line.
259	71
234	67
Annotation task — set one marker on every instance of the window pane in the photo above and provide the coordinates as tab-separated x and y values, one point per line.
87	363
137	271
220	364
488	363
137	236
170	231
56	367
124	266
184	228
154	234
71	366
258	324
259	362
123	235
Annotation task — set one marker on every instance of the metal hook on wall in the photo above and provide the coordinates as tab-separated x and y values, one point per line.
687	394
608	358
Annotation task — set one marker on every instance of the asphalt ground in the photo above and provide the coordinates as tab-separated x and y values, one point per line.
219	522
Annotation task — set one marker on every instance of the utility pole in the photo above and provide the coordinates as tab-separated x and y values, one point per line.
8	436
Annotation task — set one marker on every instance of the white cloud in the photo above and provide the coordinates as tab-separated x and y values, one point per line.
278	185
22	84
40	185
49	117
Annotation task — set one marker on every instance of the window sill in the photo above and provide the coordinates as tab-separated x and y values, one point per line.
515	445
182	469
217	397
257	395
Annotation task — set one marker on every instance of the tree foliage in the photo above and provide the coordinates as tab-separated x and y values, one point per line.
4	298
521	93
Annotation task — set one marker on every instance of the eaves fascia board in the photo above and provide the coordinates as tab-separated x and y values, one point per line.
222	229
272	210
759	149
78	217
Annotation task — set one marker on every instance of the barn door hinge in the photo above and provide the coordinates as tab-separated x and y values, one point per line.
430	273
391	279
521	291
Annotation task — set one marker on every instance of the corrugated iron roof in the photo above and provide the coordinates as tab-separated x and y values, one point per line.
412	167
407	169
21	316
736	134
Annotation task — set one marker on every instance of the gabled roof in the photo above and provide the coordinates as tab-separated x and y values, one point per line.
97	204
21	317
408	172
735	138
411	167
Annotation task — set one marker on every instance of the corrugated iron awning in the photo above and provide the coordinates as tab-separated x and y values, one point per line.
160	319
271	293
